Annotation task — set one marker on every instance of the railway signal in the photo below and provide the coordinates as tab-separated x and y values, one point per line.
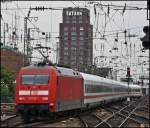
128	80
128	71
146	39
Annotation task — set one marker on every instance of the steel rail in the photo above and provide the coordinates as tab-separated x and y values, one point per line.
118	112
101	120
83	122
104	121
131	114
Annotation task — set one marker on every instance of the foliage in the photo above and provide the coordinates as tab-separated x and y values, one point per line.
5	93
4	90
7	76
7	81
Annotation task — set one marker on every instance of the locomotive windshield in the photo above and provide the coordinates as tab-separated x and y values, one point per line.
34	79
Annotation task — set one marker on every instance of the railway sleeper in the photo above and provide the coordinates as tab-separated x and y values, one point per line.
123	112
116	120
130	123
104	125
140	119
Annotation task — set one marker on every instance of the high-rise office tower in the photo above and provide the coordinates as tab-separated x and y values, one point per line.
76	39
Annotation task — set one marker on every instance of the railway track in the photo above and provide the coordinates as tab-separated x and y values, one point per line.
7	109
123	114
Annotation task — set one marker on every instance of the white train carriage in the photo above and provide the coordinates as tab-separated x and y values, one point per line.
99	90
135	90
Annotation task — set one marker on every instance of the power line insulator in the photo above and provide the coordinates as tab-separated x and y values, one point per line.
43	8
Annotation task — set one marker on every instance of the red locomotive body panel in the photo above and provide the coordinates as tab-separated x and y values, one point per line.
70	88
53	90
37	94
70	92
32	96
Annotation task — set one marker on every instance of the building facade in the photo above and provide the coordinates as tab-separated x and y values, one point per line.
76	39
12	59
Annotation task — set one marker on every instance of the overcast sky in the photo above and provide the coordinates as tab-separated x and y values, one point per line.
48	21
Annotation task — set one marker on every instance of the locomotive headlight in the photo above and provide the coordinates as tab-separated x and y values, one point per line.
44	98
24	92
21	98
51	104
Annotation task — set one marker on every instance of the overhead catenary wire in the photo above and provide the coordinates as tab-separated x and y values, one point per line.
95	3
102	34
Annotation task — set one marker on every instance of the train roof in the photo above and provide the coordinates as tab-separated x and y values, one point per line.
36	67
90	77
67	71
61	70
94	78
134	86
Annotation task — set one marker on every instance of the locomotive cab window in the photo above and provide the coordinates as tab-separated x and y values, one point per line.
34	79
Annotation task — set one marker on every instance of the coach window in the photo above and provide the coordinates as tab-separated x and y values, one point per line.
86	88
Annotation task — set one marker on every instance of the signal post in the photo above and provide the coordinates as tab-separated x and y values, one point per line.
128	80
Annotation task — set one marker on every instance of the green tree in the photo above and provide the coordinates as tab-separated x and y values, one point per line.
5	93
7	81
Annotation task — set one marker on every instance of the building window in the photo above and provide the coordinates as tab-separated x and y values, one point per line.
81	58
73	38
81	33
65	28
65	58
66	43
65	62
73	43
81	28
65	33
67	18
73	28
74	21
73	63
65	38
81	38
82	43
89	29
73	33
65	48
80	17
65	53
73	48
67	21
80	21
81	53
74	17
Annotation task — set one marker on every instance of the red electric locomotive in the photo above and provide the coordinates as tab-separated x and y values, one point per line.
42	89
